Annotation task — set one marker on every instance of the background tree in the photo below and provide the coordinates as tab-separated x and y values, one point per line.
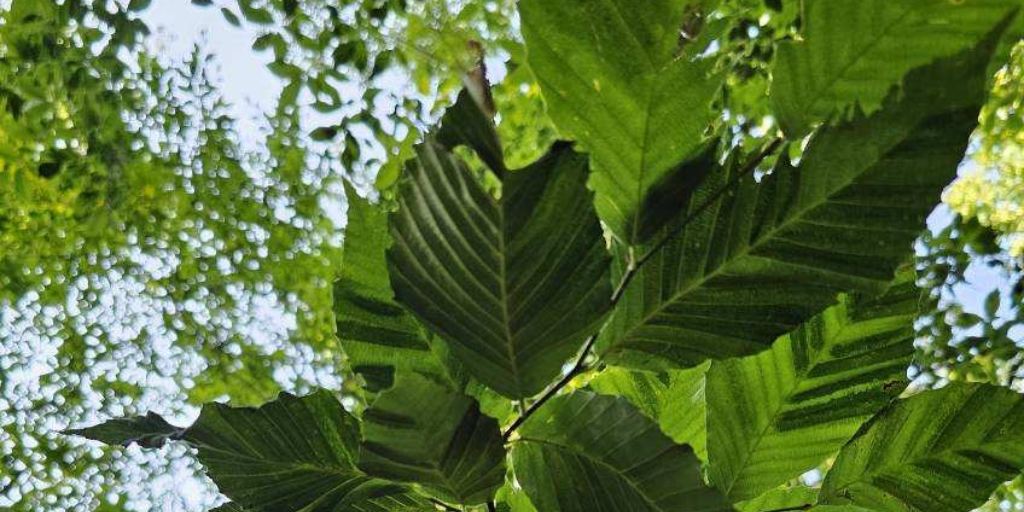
143	245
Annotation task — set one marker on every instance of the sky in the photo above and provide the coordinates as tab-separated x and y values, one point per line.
241	73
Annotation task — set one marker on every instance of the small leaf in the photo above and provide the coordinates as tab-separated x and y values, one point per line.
992	304
230	17
149	431
323	133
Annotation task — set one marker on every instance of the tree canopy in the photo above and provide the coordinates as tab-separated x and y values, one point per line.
682	255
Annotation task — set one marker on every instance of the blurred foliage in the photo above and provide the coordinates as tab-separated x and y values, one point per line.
148	256
993	192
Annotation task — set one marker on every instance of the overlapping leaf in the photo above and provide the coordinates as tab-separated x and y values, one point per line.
675	399
754	260
421	432
514	284
612	81
592	453
939	451
378	336
780	413
293	454
855	51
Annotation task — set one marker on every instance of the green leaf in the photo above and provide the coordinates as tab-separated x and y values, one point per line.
149	431
290	455
784	498
230	17
674	399
855	51
594	453
378	336
781	413
139	5
611	79
684	409
513	284
939	451
255	14
643	389
323	133
754	260
421	432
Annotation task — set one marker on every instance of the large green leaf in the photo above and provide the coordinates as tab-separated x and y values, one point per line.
290	455
378	336
784	411
939	451
611	79
592	453
421	432
753	260
855	51
514	284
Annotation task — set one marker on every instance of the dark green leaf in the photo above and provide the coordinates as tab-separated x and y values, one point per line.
591	453
514	284
421	432
939	451
149	431
230	17
323	133
755	259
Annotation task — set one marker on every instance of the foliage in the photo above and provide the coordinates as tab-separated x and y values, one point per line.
746	316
